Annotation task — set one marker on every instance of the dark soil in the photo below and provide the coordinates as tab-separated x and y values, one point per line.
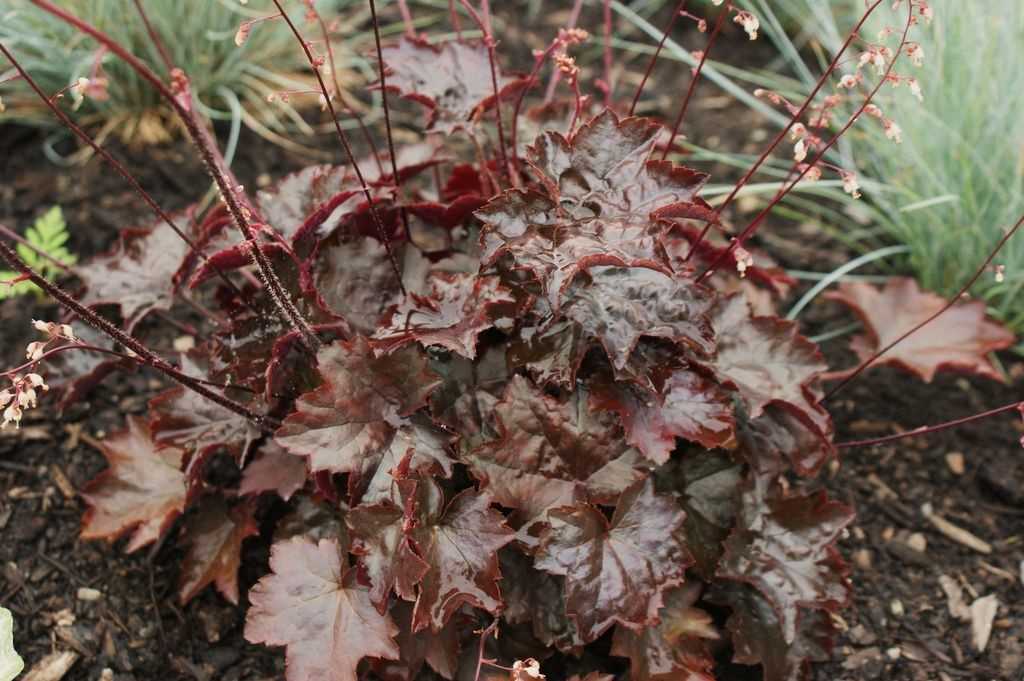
897	628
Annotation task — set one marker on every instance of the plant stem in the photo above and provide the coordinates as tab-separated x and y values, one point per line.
145	354
694	80
803	109
607	20
484	24
752	227
676	13
154	37
181	102
924	430
337	88
387	111
343	138
119	168
14	236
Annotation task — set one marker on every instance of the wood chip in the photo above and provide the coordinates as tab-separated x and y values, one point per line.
955	532
997	571
955	598
53	667
87	594
62	482
983	613
917	542
955	461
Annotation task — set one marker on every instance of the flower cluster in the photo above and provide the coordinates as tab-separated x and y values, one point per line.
20	396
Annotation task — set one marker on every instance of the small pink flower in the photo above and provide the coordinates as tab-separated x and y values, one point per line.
744	260
849	81
749	23
915	53
34	351
800	151
850	184
11	415
893	131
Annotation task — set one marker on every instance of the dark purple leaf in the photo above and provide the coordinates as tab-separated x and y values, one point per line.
616	571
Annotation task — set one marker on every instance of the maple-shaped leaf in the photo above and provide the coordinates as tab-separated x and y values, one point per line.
353	277
440	650
187	420
547	448
386	557
604	170
459	543
757	635
416	448
529	228
273	470
139	275
313	605
784	546
536	598
768	362
214	536
468	393
706	485
959	338
552	352
675	647
457	309
688	406
619	305
616	571
453	79
779	438
349	418
143	491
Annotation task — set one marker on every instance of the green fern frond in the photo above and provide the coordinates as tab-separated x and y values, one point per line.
48	234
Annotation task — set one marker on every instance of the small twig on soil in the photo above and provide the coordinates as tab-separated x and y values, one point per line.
955	532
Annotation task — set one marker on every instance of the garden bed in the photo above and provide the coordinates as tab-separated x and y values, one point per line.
121	612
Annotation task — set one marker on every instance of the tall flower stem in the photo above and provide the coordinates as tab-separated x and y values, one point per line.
146	356
343	138
180	99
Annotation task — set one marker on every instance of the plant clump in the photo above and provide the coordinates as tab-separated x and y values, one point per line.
498	414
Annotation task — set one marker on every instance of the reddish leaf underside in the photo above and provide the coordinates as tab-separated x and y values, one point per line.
273	470
617	571
214	536
457	309
312	604
768	362
959	338
689	406
143	491
674	648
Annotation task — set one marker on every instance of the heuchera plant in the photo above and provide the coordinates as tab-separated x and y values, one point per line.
514	394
